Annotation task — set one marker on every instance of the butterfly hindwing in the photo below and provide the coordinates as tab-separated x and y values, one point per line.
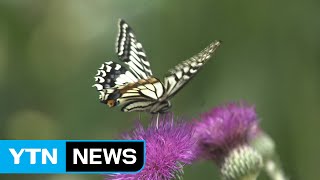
110	76
138	105
131	52
181	74
142	95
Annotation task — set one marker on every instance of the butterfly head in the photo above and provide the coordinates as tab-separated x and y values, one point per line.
112	103
111	99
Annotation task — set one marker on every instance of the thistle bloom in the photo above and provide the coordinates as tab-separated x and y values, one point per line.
225	128
169	147
223	136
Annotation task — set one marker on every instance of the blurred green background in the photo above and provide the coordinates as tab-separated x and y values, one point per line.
50	50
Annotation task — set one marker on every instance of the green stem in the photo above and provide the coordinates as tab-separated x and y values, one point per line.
274	171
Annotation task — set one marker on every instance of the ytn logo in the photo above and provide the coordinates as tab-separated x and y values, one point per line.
32	153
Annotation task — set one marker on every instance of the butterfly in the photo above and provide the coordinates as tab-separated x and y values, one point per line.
132	85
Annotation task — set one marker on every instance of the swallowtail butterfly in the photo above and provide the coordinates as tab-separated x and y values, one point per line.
135	88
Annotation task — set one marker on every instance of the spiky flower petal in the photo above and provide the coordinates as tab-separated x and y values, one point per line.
169	147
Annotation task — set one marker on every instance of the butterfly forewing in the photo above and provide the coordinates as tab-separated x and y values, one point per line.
131	52
181	74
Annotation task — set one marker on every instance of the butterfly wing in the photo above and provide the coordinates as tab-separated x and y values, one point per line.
181	74
110	77
131	52
141	96
118	86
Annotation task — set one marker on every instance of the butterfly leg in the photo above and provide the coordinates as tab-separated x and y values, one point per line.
157	120
139	116
172	121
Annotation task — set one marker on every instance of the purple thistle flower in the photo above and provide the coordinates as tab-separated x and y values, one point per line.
169	148
223	129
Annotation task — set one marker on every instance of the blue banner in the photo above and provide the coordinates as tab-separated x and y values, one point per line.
77	156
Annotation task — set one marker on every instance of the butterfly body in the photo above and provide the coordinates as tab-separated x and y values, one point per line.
135	87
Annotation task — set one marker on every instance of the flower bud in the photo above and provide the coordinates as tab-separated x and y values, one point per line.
242	163
264	145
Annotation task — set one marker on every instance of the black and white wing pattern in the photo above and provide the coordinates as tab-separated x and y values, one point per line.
110	77
134	87
181	74
141	96
131	52
118	86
